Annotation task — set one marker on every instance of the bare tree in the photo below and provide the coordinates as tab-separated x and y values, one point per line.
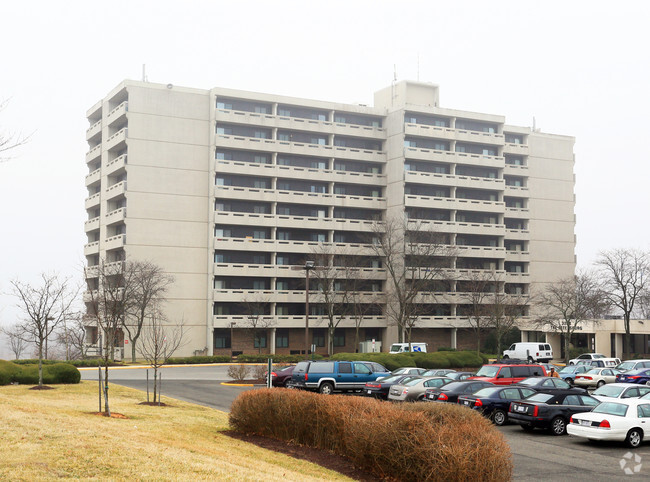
72	336
108	294
624	275
160	340
503	311
258	319
331	291
148	286
16	339
9	140
45	307
476	293
414	257
564	304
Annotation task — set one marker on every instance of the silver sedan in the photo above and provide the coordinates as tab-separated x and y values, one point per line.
413	390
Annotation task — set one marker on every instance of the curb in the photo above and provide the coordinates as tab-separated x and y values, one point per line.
226	384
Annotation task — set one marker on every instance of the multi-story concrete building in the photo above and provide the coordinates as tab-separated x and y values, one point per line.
231	192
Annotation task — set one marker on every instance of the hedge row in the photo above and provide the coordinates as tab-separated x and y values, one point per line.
420	441
28	374
439	359
198	359
276	358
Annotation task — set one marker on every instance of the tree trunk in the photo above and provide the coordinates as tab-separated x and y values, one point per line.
107	410
478	339
40	364
567	340
356	339
132	350
155	382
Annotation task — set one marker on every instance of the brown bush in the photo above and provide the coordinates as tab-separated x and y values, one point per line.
420	441
238	372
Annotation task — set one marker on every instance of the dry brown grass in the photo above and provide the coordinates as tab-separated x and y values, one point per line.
53	434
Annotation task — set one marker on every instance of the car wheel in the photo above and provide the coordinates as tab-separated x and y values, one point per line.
634	438
326	388
499	417
285	384
569	381
506	357
600	383
558	426
527	427
571	363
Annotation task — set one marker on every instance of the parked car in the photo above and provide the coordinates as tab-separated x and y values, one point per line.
530	351
409	371
620	390
493	402
504	374
379	388
569	373
328	376
633	365
620	420
451	391
549	385
586	356
551	411
460	375
438	372
282	377
413	389
639	376
601	362
596	377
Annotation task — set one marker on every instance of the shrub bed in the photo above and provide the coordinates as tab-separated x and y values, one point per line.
198	359
28	374
419	441
439	359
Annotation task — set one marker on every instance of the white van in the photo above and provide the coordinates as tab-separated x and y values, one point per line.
530	351
405	348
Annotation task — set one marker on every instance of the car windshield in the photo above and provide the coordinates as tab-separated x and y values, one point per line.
626	366
598	356
412	381
487	371
539	397
453	386
571	369
595	371
390	379
402	370
609	391
455	375
611	408
487	392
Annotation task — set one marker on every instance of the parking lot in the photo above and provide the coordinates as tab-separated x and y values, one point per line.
538	456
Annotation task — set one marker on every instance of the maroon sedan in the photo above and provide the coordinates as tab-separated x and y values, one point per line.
281	378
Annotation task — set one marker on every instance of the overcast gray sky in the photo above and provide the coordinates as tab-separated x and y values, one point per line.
581	68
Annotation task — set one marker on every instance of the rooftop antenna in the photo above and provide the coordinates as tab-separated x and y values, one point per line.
144	73
533	123
392	85
418	66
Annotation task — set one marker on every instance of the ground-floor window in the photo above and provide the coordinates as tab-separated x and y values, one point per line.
222	338
339	337
282	338
319	337
260	340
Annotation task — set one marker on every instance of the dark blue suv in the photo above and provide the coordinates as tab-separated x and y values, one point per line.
327	376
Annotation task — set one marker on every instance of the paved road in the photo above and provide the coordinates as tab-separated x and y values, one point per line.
538	456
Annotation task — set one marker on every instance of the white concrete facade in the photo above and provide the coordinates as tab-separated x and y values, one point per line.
229	191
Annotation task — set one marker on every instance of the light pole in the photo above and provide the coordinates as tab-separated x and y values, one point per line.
309	265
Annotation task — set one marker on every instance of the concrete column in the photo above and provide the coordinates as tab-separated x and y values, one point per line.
453	338
272	342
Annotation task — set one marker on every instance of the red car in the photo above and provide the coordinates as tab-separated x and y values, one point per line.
281	378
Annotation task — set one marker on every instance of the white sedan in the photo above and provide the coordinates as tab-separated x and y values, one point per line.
620	390
623	421
586	357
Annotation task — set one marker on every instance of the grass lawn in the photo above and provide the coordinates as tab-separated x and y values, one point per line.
53	434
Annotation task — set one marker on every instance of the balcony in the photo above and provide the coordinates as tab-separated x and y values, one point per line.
115	190
275	245
116	216
94	132
92	201
285	221
91	225
118	113
519	149
517	277
94	153
465	158
448	133
297	123
115	242
303	173
517	213
452	180
298	148
515	170
91	248
454	203
117	164
270	195
117	139
517	234
93	177
296	321
523	256
517	191
480	251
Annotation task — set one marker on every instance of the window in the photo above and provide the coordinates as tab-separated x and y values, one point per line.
321	367
260	340
505	373
221	338
361	368
345	367
259	285
319	337
282	338
643	411
339	337
259	234
571	400
510	394
282	285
